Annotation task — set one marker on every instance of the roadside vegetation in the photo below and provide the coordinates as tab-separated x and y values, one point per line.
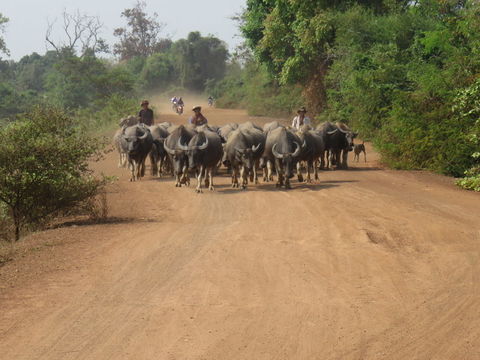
59	102
405	74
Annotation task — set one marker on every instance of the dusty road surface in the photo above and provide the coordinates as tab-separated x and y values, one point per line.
365	264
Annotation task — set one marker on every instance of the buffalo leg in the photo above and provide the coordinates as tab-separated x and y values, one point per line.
243	177
279	177
234	176
299	172
315	169
199	180
269	171
345	159
210	178
309	165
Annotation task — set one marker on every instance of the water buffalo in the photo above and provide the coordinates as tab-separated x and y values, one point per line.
313	148
136	141
271	126
128	121
256	137
178	157
158	155
282	148
240	153
117	143
225	131
340	141
204	151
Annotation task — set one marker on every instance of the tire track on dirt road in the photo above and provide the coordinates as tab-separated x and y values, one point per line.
365	264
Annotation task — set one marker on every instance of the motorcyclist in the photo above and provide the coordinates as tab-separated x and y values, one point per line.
210	100
180	102
197	119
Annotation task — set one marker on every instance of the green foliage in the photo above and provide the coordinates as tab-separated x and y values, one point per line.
44	159
78	82
253	88
198	59
391	69
103	114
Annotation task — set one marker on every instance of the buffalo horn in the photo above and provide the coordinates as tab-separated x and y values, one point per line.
275	153
167	149
204	145
297	150
181	146
332	132
255	148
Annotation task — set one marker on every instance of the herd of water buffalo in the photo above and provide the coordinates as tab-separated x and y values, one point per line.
243	148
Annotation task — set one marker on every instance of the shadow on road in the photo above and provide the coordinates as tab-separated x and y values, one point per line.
109	220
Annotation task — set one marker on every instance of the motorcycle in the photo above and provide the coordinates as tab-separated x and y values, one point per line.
210	102
179	109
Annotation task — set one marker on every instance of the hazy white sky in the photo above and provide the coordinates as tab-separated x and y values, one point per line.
25	32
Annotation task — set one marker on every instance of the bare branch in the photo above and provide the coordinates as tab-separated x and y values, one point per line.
81	32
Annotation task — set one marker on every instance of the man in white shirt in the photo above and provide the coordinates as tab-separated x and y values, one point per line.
300	119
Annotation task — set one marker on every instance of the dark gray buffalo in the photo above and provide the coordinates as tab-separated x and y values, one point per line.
204	151
313	148
283	149
240	154
225	131
338	142
136	142
257	137
178	157
158	155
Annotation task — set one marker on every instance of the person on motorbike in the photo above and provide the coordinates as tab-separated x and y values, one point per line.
197	119
210	100
180	102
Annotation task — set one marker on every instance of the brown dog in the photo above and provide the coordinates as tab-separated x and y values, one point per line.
358	149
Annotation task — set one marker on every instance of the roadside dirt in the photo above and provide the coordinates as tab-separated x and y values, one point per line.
365	264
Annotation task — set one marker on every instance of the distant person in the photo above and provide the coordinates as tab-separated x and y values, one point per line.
146	114
180	102
300	119
173	100
210	101
197	119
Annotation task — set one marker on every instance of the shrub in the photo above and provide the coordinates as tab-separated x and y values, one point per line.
44	170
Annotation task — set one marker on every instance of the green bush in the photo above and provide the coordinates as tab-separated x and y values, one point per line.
44	169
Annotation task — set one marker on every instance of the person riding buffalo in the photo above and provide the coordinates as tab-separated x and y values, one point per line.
198	119
300	119
146	114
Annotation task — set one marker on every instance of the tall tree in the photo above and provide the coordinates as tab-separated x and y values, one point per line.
3	45
141	36
199	59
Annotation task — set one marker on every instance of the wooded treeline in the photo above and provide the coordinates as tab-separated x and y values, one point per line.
75	75
406	74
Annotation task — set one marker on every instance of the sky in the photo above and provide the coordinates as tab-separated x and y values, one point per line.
25	32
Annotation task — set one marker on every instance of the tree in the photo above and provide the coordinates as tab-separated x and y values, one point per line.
82	35
141	36
44	159
199	59
3	45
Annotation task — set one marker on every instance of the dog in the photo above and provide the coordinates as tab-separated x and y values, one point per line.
358	149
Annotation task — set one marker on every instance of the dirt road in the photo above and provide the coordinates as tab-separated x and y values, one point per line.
365	264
